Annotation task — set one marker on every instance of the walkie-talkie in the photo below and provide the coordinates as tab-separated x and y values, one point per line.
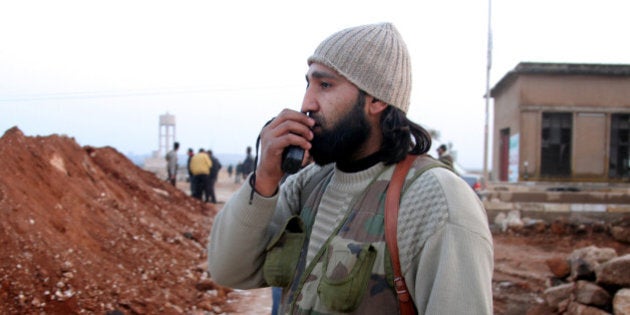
292	157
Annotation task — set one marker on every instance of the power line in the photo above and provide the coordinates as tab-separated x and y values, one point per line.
132	93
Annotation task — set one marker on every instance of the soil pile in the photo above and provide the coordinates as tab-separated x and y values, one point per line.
84	230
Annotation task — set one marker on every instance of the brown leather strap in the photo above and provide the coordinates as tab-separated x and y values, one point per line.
392	202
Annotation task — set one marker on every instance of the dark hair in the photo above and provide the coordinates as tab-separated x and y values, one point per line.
401	136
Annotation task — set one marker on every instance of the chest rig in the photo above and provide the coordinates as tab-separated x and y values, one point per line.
352	272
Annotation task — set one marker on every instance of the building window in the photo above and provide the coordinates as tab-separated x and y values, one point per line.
555	152
619	146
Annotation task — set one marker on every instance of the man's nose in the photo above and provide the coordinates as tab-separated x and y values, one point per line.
309	103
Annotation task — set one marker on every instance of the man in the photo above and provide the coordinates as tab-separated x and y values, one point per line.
200	165
212	179
248	163
171	164
444	156
356	130
190	154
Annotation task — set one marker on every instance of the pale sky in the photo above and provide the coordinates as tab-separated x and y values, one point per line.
104	71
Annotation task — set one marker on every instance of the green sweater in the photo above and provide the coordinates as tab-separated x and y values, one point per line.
445	244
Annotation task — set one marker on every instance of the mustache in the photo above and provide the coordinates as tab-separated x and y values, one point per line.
319	119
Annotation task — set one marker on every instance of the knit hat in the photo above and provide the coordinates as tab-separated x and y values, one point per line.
374	58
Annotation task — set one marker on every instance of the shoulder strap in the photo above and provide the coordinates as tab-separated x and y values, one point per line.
392	203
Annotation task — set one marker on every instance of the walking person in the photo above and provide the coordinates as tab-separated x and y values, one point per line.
171	164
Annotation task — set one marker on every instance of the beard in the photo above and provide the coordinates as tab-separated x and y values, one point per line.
340	143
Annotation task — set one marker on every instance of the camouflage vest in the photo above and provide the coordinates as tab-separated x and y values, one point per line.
352	272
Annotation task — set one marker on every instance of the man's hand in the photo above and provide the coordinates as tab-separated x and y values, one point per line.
288	128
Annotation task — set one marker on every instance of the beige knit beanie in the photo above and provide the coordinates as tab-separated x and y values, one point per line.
374	58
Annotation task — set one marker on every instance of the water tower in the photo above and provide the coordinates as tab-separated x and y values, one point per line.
166	134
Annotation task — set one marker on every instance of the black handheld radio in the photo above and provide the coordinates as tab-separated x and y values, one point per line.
292	157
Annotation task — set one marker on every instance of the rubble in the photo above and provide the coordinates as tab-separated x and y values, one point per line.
599	282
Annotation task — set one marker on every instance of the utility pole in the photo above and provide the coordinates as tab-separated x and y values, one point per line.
487	96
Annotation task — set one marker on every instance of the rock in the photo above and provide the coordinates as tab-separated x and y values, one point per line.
615	272
591	294
581	309
558	227
499	221
535	225
560	267
554	295
541	309
514	221
621	233
563	306
581	269
202	267
621	302
584	260
205	285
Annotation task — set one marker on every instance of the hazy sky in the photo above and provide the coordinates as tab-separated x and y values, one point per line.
103	72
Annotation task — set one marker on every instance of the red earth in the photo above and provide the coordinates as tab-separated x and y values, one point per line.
85	231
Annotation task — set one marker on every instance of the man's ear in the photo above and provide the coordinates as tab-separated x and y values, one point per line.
374	105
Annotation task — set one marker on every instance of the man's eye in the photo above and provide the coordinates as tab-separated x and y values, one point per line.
325	85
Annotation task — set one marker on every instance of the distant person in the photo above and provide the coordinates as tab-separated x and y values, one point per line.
171	164
248	163
212	179
200	165
230	169
239	171
444	156
190	153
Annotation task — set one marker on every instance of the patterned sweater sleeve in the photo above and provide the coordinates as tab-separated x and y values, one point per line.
242	230
445	246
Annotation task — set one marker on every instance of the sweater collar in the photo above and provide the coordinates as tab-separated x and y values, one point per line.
361	164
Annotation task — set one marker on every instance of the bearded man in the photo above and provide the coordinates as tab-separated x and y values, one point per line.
321	233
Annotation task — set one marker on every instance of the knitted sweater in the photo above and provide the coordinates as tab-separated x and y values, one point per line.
445	245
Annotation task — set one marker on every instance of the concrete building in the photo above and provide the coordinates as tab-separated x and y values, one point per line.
562	122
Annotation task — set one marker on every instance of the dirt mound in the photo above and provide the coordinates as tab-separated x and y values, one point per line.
84	230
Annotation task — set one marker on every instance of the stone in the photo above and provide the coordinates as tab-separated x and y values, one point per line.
514	221
591	294
560	267
500	221
615	272
205	285
558	227
620	233
540	309
584	260
621	302
581	309
554	295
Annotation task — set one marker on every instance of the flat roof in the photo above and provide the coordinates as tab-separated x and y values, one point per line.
592	69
